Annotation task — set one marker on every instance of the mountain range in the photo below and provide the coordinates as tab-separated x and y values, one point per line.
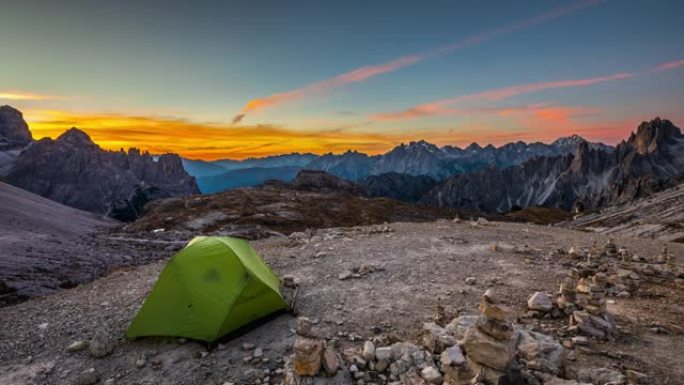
569	173
650	160
75	171
414	159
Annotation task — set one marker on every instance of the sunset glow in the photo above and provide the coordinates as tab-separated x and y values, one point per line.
316	79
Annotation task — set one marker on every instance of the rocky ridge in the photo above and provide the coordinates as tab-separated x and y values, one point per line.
315	199
425	159
658	216
649	161
75	171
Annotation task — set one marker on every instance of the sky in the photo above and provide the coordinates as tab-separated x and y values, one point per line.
237	79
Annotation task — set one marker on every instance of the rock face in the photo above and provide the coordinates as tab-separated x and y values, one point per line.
13	128
73	170
649	217
647	162
14	136
319	181
402	187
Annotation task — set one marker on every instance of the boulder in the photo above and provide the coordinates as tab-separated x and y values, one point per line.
304	327
600	326
601	376
435	339
88	377
432	375
368	351
330	361
460	325
406	355
77	346
100	345
454	366
542	352
488	351
383	353
411	377
540	301
306	359
637	378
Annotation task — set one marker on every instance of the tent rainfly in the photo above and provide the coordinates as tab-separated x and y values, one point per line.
212	287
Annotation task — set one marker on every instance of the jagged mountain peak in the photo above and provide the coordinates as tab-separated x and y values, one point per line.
473	146
9	110
651	135
13	127
75	137
422	145
568	140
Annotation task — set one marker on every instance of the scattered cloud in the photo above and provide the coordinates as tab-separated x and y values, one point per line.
24	95
446	106
363	73
669	66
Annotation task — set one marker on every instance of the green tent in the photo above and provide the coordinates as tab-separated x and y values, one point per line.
213	286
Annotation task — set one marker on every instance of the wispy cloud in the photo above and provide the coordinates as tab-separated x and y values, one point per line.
23	95
363	73
448	106
669	66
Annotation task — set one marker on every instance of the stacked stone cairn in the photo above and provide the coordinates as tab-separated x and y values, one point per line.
611	249
574	253
440	317
595	320
597	294
567	295
593	255
490	346
664	256
311	356
486	348
625	255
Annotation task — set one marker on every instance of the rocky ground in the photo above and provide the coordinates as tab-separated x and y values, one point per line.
46	247
277	208
355	284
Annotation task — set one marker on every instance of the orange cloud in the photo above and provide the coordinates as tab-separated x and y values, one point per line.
23	95
531	129
366	72
355	76
201	140
442	107
669	66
